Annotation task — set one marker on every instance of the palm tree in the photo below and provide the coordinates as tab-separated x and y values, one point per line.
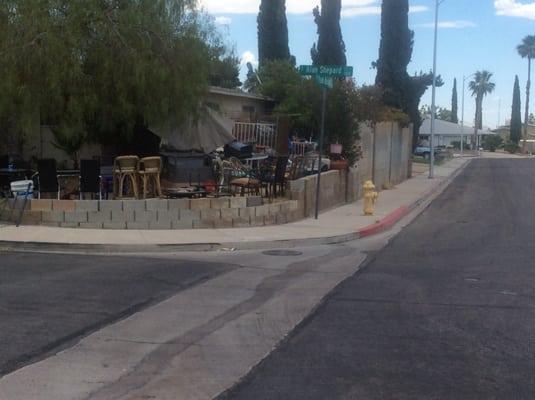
527	50
480	86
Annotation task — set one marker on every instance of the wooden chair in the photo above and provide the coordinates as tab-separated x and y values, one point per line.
277	181
125	168
150	170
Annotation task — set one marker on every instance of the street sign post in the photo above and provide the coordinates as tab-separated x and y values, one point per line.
324	75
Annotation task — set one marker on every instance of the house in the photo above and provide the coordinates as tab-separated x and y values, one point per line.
238	105
448	132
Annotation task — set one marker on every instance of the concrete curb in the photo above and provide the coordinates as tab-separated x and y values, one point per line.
383	225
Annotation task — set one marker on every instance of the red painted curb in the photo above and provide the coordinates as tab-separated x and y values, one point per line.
384	224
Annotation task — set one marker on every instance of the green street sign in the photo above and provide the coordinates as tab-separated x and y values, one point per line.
335	71
324	81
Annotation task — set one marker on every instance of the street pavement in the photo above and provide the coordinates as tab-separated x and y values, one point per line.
445	311
48	302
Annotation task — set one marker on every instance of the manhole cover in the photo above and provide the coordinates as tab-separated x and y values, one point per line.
282	253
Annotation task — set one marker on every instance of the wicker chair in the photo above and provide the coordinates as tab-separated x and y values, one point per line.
150	170
125	168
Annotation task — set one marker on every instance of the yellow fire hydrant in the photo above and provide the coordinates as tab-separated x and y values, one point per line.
370	198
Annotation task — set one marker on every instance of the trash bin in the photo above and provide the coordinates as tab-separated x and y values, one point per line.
20	188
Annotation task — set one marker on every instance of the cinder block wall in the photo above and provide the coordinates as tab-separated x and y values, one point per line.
387	155
229	212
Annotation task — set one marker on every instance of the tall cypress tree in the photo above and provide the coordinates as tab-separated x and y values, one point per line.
399	89
516	115
272	31
454	105
330	49
395	52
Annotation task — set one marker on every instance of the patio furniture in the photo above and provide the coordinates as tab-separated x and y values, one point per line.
4	161
125	169
277	180
21	189
150	170
47	177
90	178
297	168
8	175
243	179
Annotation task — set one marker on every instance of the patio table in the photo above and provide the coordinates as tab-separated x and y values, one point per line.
187	192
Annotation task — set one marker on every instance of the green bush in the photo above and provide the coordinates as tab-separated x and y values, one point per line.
511	147
492	142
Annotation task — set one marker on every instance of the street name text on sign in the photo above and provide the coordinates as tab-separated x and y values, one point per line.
334	71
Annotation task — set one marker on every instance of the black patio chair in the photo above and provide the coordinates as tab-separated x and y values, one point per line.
90	178
47	177
4	161
276	181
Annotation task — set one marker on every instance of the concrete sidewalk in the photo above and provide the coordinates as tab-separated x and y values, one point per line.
334	226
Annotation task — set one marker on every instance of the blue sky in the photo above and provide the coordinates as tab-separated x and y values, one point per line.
474	35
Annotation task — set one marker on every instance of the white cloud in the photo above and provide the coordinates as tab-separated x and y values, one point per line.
223	20
514	8
449	24
350	8
249	57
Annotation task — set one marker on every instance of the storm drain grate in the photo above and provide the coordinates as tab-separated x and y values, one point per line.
282	253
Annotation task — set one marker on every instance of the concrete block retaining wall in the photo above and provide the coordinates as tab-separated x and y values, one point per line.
155	214
387	149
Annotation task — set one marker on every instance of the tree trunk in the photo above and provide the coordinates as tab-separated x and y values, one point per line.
479	104
526	121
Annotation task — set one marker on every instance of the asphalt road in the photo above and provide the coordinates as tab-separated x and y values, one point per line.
48	302
445	311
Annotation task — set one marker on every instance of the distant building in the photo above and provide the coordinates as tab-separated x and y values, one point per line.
238	105
448	132
505	133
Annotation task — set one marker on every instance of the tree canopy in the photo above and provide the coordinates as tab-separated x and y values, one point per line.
400	90
330	49
480	86
273	31
516	114
395	52
102	67
454	104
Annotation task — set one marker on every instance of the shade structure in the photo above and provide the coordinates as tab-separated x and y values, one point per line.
204	133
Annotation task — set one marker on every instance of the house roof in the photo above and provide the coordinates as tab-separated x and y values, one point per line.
447	128
237	93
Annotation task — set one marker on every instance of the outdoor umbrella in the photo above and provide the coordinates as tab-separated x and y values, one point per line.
205	132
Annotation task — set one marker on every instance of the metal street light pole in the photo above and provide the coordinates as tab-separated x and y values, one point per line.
433	99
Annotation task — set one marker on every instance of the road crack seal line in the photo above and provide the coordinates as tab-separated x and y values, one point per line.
157	360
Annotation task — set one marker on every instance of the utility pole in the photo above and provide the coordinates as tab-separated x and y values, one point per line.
433	100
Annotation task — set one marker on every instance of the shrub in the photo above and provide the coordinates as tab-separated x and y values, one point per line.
492	142
511	147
